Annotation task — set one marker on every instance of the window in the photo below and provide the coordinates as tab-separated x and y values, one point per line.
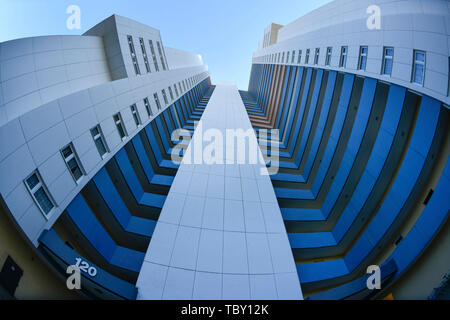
152	49
388	57
119	124
170	93
299	58
133	55
307	56
135	113
164	96
72	162
287	57
279	56
362	63
328	57
179	86
158	105
99	140
39	193
147	107
176	90
419	67
293	56
161	55
316	56
184	85
144	54
343	61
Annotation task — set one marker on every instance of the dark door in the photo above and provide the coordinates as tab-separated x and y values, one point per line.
10	275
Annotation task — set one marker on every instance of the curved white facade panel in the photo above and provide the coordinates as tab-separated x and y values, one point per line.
182	59
405	26
37	70
54	91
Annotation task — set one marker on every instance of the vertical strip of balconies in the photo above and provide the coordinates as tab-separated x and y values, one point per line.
110	222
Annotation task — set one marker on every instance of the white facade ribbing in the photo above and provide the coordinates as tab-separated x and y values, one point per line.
220	234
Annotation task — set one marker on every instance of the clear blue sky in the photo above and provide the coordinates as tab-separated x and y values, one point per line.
224	32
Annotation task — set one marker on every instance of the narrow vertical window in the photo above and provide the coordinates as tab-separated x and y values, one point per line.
144	55
307	56
328	57
164	96
388	58
343	61
316	56
72	162
299	58
179	86
161	55
176	90
287	57
135	113
170	93
152	50
99	140
133	55
39	193
362	63
419	67
158	105
119	125
147	107
293	56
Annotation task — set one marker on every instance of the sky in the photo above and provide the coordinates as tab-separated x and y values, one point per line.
224	32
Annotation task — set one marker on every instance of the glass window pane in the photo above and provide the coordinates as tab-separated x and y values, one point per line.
72	163
101	148
387	66
94	131
363	63
418	75
43	200
32	181
67	151
420	56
